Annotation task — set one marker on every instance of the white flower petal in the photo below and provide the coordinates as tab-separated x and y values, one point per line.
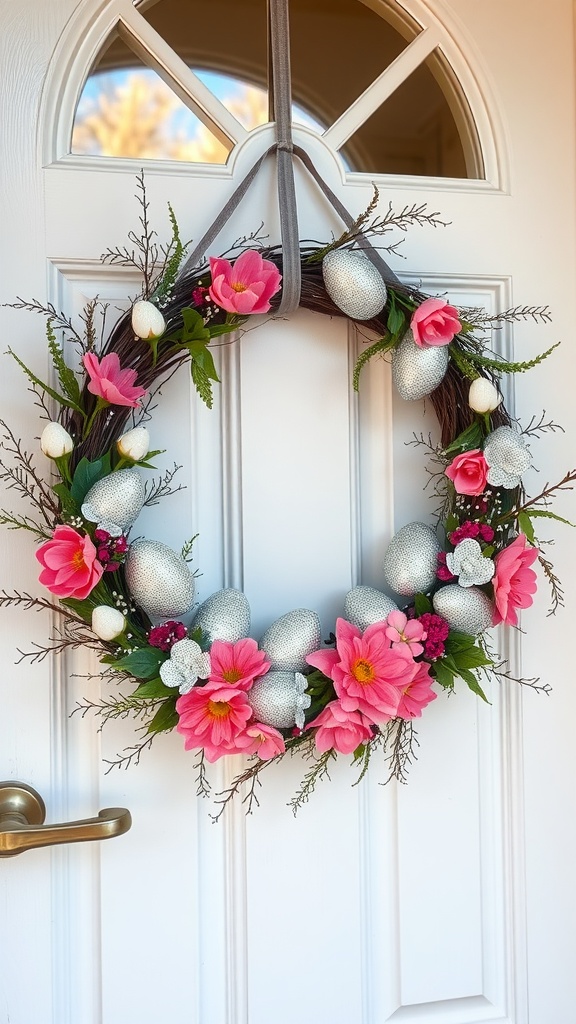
170	674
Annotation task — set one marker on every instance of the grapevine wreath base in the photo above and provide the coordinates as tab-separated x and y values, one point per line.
174	665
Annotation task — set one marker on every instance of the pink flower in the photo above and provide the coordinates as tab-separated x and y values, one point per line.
70	566
340	730
213	717
401	630
434	323
245	286
468	472
514	582
437	630
265	741
365	670
110	383
470	529
237	664
417	694
443	572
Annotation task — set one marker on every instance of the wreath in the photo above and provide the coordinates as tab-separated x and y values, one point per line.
195	669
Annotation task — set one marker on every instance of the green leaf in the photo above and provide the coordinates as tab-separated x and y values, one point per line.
82	608
166	718
525	525
396	318
217	330
503	366
468	439
443	674
473	684
422	604
452	523
175	254
193	328
154	688
66	500
86	475
541	513
66	376
143	663
382	345
202	356
202	384
471	657
61	399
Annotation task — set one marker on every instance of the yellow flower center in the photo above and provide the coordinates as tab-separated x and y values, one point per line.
237	286
232	675
78	559
363	671
218	708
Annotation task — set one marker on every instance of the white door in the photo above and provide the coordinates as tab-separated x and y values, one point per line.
451	899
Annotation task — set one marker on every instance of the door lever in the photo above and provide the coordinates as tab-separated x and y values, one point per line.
22	814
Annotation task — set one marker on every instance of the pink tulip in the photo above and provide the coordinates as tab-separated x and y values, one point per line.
514	582
468	472
70	566
435	322
245	286
110	383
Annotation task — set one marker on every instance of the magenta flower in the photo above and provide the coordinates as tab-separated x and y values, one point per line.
514	582
165	636
435	322
366	670
245	286
70	566
402	630
437	630
263	740
110	383
417	694
443	572
237	664
340	730
472	530
213	717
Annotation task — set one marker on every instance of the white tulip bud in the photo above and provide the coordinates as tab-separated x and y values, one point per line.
107	622
55	441
134	444
483	397
147	320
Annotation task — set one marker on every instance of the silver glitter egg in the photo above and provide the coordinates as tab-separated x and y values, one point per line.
159	580
224	615
508	457
288	640
280	699
411	560
416	371
466	609
363	606
115	501
353	283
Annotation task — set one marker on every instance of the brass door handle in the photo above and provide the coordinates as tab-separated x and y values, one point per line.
22	813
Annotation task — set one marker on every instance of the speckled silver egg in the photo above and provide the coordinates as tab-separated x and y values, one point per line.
411	560
466	609
353	283
279	699
293	636
224	615
116	500
416	371
363	606
159	580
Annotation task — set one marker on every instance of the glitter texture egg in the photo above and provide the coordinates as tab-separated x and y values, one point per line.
466	609
416	371
224	615
364	605
279	699
116	500
411	560
353	283
159	579
288	640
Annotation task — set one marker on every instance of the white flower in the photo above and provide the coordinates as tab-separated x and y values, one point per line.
55	441
134	444
469	564
483	396
107	622
302	701
147	320
507	455
187	664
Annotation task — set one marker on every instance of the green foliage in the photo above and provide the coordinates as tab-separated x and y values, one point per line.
69	504
143	663
470	438
194	336
503	366
66	376
543	513
422	604
153	688
175	255
61	399
166	718
86	475
525	525
462	656
382	345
